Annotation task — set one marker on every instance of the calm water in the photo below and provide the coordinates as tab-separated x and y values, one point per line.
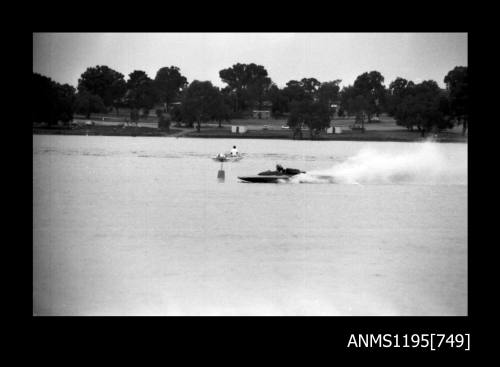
142	226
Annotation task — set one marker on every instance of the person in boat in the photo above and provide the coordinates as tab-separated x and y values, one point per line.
234	151
221	156
287	171
280	171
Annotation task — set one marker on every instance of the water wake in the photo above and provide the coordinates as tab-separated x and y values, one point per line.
424	163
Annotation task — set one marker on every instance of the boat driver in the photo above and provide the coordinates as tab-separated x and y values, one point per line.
234	151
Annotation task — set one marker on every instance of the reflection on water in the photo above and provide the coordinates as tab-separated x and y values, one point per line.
142	226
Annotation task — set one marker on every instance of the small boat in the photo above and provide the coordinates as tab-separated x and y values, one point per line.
280	175
227	158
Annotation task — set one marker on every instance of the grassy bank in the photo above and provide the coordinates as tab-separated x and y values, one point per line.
379	132
368	135
105	130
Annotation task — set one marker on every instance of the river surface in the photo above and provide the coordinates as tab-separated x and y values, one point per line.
142	226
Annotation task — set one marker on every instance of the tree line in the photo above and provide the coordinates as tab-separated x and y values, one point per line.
307	102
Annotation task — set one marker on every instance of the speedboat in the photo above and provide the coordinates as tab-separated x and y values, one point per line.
280	175
227	158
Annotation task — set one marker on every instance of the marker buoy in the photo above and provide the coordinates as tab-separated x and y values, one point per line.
221	175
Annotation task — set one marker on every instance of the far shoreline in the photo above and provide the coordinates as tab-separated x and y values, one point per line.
225	133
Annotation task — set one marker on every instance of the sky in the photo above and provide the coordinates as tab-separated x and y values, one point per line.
286	56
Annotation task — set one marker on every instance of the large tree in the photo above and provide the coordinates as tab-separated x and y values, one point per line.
278	99
370	86
347	96
297	116
164	119
87	103
360	106
429	106
422	105
222	107
169	83
141	92
66	96
398	90
52	102
104	82
305	89
457	84
43	96
236	79
314	115
258	84
247	82
295	91
328	94
310	85
201	103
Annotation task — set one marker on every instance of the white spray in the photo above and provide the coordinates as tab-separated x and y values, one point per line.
419	163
